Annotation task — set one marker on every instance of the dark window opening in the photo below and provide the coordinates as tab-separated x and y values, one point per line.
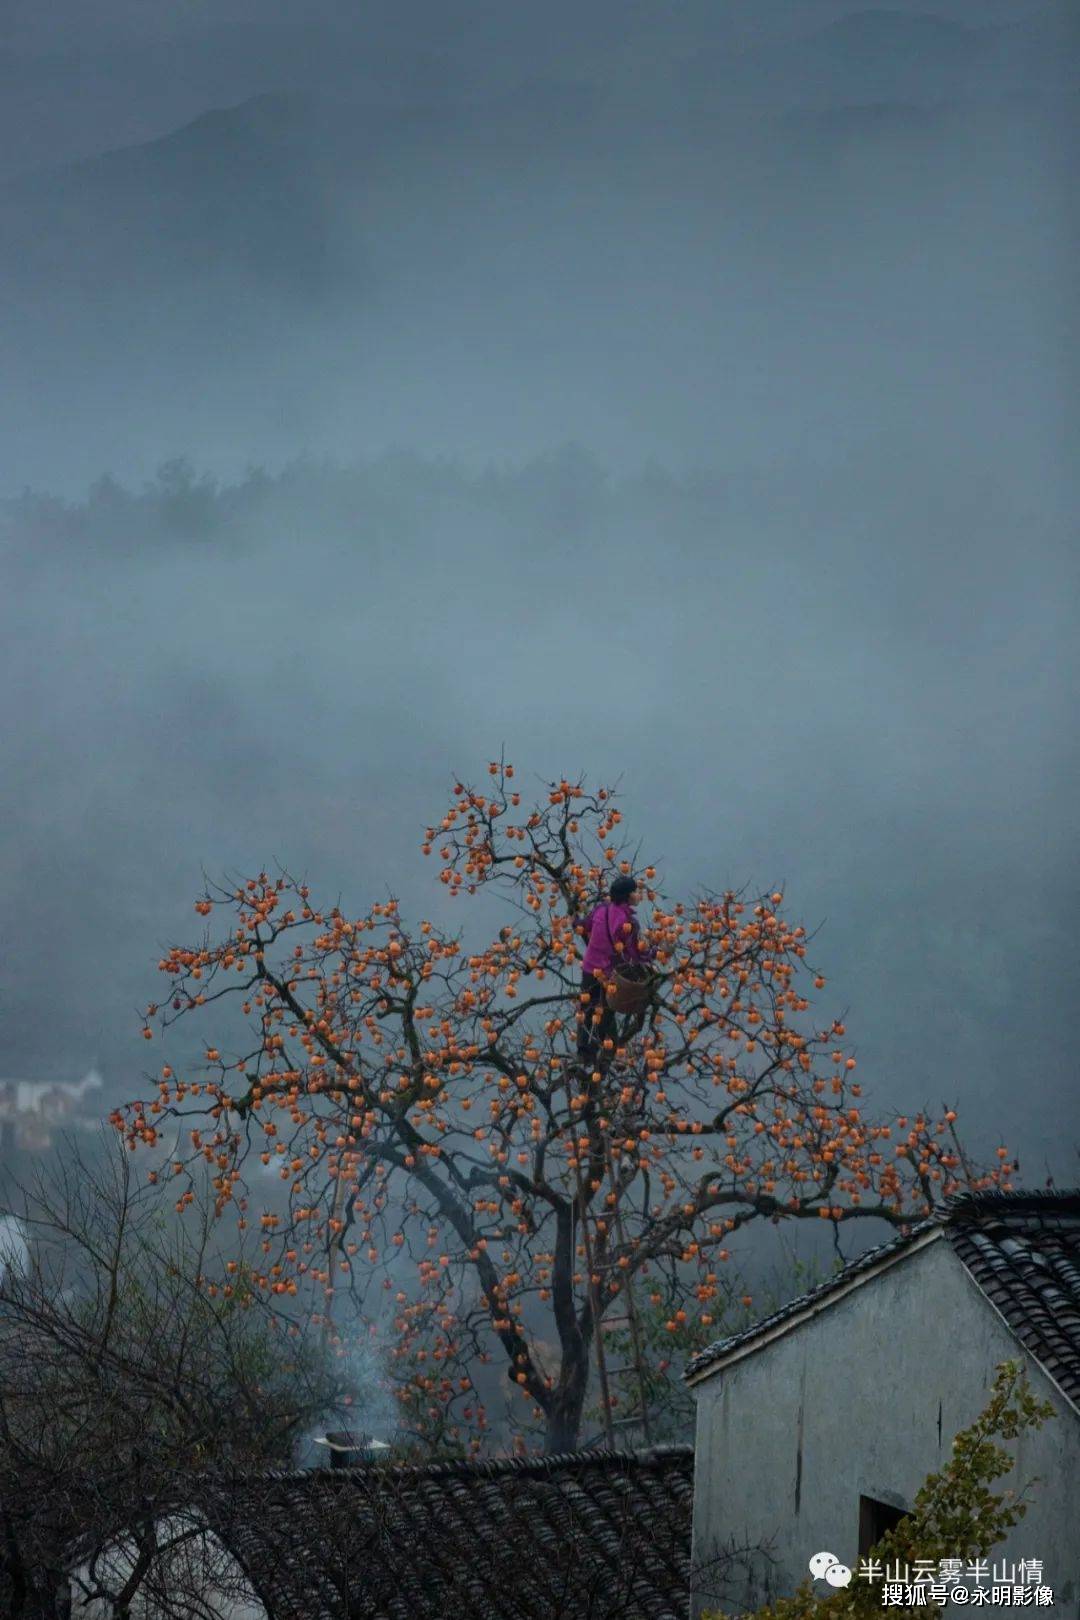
875	1520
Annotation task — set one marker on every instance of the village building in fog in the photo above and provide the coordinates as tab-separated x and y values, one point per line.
33	1112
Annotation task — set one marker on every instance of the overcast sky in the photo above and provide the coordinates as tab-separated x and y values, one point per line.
806	579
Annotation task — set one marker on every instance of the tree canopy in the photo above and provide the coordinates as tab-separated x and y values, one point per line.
437	1136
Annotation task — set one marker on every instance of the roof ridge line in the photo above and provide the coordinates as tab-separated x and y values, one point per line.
952	1217
475	1467
970	1202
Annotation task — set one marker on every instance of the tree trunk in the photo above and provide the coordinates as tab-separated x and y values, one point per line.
12	1563
568	1401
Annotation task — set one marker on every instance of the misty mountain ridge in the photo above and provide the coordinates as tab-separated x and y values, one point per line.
291	188
266	183
871	57
304	267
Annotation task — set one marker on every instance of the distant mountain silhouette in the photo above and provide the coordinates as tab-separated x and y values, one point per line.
316	223
228	196
274	195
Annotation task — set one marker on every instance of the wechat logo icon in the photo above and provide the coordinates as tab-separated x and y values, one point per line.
828	1565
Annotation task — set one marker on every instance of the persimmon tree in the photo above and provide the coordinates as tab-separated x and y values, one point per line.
438	1137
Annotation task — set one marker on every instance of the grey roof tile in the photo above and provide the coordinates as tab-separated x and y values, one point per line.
600	1535
1021	1248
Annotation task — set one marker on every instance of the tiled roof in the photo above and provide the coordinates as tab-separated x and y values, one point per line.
1021	1248
593	1535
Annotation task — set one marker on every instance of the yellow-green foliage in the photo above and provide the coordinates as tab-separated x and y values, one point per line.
955	1515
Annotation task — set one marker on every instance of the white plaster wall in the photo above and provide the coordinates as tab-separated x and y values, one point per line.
865	1399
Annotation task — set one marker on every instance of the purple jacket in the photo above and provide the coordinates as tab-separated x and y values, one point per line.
607	926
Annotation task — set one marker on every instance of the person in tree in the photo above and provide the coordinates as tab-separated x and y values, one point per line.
612	934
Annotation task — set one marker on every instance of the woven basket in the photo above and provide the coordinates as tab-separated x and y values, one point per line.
633	990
